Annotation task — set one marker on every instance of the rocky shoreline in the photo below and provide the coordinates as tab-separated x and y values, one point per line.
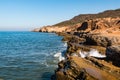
93	51
75	67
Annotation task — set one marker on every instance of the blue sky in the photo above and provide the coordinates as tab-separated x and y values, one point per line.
29	14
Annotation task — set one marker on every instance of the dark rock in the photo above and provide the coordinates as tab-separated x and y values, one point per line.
113	54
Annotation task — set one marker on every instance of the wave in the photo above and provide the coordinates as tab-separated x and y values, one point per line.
65	44
92	52
60	56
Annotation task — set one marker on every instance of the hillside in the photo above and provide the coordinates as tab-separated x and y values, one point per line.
82	17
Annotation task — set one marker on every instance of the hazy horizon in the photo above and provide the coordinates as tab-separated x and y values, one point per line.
25	15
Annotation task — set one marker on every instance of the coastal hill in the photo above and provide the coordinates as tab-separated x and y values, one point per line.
77	21
82	17
93	51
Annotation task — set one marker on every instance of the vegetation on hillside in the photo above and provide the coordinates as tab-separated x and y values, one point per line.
82	17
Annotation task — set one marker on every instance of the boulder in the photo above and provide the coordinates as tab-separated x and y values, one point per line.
71	71
102	39
113	54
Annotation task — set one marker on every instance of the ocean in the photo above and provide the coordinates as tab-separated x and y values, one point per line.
29	55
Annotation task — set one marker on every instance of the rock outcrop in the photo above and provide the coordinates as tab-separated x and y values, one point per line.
76	68
83	33
101	25
102	39
97	34
58	28
113	54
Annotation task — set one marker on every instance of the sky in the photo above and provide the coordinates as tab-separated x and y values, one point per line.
25	15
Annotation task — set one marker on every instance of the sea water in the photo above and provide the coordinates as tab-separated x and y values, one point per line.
29	55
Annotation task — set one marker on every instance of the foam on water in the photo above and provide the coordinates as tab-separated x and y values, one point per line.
92	52
65	44
95	53
83	54
60	56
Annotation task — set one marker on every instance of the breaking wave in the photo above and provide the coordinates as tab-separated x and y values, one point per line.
92	52
60	56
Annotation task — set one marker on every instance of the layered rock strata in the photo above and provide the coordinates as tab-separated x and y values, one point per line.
89	68
76	68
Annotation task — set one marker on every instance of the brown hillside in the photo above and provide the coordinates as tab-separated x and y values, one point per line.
82	17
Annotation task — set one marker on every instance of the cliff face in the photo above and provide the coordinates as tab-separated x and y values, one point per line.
102	20
58	28
93	51
102	31
100	25
53	29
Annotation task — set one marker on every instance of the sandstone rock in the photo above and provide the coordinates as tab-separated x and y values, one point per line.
100	25
72	71
77	68
59	28
102	40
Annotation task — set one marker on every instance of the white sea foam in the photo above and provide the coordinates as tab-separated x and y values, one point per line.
74	54
92	52
65	44
59	56
95	53
83	54
46	64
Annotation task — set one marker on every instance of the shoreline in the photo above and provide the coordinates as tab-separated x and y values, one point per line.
93	47
105	66
70	69
100	63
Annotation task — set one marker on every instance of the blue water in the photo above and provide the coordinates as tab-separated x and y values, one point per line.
28	55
